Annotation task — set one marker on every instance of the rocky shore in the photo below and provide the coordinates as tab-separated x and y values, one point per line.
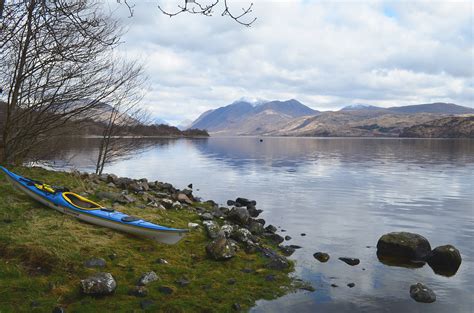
230	258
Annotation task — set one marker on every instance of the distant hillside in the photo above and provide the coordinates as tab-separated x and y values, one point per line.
361	107
449	127
241	117
438	107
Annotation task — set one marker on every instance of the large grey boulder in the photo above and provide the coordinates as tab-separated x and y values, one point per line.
99	284
221	248
239	215
445	260
403	246
421	293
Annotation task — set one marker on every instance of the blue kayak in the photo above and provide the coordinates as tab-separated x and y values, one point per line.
86	210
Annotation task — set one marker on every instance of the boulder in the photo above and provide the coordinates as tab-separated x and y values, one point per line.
276	261
244	201
95	262
287	250
114	196
239	215
253	211
221	248
445	260
255	228
217	213
275	238
421	293
270	229
350	261
134	186
212	229
147	278
167	203
227	230
230	202
403	245
244	236
184	198
99	284
321	257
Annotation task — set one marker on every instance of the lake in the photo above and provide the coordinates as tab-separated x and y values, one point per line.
343	193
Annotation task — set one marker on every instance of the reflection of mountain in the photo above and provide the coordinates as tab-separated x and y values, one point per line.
293	152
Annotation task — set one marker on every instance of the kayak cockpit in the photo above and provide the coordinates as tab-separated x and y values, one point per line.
80	202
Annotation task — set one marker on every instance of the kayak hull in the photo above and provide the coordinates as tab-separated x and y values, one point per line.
158	233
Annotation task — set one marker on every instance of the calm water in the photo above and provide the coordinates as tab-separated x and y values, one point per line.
344	194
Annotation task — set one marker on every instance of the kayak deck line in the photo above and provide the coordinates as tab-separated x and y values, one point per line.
89	211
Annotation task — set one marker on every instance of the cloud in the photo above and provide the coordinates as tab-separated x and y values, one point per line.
327	54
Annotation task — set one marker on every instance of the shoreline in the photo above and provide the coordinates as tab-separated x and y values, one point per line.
193	275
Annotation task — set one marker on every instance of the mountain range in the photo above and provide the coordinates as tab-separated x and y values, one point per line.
292	118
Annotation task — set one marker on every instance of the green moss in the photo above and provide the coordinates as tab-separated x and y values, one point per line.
42	254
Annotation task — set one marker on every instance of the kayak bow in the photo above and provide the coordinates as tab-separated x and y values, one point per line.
72	204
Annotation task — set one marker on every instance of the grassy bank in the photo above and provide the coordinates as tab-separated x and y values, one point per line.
42	255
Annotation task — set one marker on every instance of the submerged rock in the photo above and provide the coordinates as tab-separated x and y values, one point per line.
221	248
147	278
321	257
99	284
350	261
445	260
421	293
403	245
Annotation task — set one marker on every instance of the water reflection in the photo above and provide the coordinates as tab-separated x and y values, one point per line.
344	194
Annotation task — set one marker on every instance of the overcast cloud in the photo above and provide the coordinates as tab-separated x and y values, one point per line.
327	54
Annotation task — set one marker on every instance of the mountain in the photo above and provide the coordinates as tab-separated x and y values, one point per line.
361	107
158	121
245	118
449	127
184	124
438	107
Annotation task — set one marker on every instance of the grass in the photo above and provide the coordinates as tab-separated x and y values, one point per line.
42	253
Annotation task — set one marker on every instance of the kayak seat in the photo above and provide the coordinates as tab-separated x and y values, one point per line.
80	202
129	219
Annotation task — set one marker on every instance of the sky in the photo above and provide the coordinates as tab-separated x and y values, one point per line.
326	54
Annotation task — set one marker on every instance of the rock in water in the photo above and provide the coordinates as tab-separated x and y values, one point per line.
445	260
221	248
147	278
403	246
99	284
421	293
350	261
321	257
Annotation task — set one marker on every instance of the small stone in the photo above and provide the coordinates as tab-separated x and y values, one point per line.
161	261
296	246
231	281
303	234
351	285
270	277
334	285
230	202
138	291
58	309
145	304
165	290
350	261
99	284
236	307
287	237
207	216
221	248
147	278
321	257
182	282
193	225
190	186
421	293
95	262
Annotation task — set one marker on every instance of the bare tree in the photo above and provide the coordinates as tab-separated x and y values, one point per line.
57	62
206	8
